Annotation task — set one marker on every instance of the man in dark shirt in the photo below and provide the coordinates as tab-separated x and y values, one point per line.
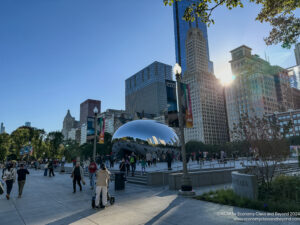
21	178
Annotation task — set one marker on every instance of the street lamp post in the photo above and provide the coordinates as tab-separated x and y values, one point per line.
186	183
95	133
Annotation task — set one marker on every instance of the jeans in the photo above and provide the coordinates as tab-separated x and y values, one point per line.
92	180
9	185
21	184
133	166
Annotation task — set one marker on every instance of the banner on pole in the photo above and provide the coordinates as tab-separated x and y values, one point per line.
171	116
102	130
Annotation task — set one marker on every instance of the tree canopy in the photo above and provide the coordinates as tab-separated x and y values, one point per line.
279	13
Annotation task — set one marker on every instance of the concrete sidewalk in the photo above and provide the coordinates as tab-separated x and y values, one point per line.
51	201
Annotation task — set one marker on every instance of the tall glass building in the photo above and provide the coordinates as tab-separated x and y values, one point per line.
181	28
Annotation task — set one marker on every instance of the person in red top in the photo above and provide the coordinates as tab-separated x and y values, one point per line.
92	173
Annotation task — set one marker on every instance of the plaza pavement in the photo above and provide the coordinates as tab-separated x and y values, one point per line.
51	201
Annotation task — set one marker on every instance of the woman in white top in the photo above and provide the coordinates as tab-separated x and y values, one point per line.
9	176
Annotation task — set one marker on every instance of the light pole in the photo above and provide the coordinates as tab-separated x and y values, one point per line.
95	133
186	183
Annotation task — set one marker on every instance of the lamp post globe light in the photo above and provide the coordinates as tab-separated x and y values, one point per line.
186	183
95	132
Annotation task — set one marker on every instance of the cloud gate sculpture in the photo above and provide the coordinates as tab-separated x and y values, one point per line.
142	136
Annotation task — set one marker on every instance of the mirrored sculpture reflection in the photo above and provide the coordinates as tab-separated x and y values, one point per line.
142	136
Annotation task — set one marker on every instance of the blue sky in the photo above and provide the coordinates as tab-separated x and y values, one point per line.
54	54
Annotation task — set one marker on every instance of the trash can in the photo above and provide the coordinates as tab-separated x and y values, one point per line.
119	181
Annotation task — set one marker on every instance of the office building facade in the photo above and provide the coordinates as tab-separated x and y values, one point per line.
114	119
284	118
294	75
207	97
181	28
87	109
69	126
145	91
258	89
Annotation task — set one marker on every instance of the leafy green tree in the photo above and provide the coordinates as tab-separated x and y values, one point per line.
20	137
55	141
194	146
279	13
5	143
71	150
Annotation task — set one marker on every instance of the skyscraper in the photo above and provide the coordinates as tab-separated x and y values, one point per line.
181	28
207	98
69	125
87	109
258	89
27	124
2	128
297	53
145	91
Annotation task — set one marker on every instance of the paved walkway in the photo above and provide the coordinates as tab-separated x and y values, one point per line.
51	201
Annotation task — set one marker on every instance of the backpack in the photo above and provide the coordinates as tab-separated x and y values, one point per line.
132	159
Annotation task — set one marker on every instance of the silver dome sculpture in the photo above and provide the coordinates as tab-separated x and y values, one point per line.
142	136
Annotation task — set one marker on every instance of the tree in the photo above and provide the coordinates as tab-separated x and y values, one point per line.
55	141
194	146
279	13
266	141
5	143
20	137
71	150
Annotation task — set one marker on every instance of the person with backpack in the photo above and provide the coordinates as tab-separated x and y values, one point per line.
22	172
9	177
132	163
77	175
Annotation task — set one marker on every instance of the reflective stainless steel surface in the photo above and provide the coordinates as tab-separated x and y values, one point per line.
141	136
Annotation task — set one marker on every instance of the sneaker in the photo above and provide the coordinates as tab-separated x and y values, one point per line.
7	197
102	207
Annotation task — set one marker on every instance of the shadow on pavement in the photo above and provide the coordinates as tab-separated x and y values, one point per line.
175	203
74	217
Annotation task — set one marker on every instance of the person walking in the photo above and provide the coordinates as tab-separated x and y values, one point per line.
169	159
127	165
51	167
149	158
46	169
22	172
133	163
92	173
77	175
154	158
143	164
9	177
103	176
